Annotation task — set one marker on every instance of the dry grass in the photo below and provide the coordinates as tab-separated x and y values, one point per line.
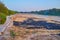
22	33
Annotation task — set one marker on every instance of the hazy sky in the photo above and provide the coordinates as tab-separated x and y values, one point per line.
28	5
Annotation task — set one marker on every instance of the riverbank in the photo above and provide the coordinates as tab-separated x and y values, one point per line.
22	33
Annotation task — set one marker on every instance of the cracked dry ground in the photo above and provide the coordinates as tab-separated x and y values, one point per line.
30	34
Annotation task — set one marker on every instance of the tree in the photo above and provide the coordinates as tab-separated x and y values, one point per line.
3	8
2	18
10	12
4	11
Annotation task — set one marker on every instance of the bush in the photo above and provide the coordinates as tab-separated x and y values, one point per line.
12	34
2	18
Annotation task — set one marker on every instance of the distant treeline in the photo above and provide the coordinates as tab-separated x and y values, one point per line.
53	12
4	11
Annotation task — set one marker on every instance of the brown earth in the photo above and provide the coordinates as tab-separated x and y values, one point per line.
31	34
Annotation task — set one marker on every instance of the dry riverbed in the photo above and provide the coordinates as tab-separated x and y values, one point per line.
34	34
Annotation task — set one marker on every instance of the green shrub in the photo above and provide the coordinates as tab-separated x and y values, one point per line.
2	18
12	34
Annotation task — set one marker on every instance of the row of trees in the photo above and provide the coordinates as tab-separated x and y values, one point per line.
54	12
4	11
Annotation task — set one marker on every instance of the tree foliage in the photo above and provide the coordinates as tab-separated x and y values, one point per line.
4	11
54	12
2	18
3	8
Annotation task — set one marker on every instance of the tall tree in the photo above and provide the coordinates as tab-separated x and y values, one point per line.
3	8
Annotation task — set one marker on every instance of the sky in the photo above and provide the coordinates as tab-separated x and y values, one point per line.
31	5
